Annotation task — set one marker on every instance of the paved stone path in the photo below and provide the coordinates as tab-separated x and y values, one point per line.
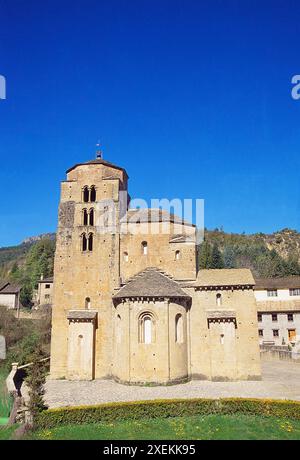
281	380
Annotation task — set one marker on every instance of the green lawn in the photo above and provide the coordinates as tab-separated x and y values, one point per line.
6	432
196	427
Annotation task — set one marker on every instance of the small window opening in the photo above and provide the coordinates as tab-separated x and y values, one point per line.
86	195
91	215
90	242
84	242
144	248
85	217
93	194
178	329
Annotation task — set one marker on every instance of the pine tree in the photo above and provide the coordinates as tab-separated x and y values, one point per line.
204	255
229	257
216	258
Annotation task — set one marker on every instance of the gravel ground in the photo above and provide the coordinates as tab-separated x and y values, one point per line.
281	380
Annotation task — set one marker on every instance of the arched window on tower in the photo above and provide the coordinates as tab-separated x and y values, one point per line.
219	299
90	241
178	328
93	194
125	256
91	217
85	194
83	242
87	303
144	246
85	217
177	255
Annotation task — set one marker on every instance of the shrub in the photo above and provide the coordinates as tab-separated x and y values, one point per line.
35	380
112	412
23	336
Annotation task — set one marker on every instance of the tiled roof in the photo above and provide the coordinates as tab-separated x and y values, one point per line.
182	239
288	282
220	313
151	282
47	280
8	288
97	161
82	314
3	284
152	215
225	277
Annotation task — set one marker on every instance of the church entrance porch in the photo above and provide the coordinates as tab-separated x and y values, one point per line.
81	345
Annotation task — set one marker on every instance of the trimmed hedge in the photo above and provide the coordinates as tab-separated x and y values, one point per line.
136	410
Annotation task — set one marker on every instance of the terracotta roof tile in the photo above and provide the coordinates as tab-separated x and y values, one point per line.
97	161
288	282
82	314
9	288
151	282
225	277
152	215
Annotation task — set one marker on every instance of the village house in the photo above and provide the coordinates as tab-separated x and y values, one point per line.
278	310
9	295
44	292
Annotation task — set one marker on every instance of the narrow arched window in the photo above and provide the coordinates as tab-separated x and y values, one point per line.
83	242
85	194
85	217
90	241
125	256
144	248
91	217
177	255
118	329
219	299
87	303
93	194
178	329
146	329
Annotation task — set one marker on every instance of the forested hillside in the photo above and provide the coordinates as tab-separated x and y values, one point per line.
273	255
24	265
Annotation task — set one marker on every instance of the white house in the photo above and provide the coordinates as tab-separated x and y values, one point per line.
278	310
9	295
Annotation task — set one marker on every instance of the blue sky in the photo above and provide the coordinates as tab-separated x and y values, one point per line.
192	97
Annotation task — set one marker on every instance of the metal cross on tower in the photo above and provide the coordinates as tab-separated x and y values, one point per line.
99	153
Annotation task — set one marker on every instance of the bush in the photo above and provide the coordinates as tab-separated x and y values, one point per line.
112	412
35	380
23	336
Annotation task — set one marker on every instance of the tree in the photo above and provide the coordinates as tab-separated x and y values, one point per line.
204	255
229	257
39	261
35	380
14	272
216	258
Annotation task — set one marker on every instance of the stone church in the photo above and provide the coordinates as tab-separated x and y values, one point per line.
128	302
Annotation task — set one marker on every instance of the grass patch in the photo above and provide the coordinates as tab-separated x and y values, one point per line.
5	398
7	432
225	427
